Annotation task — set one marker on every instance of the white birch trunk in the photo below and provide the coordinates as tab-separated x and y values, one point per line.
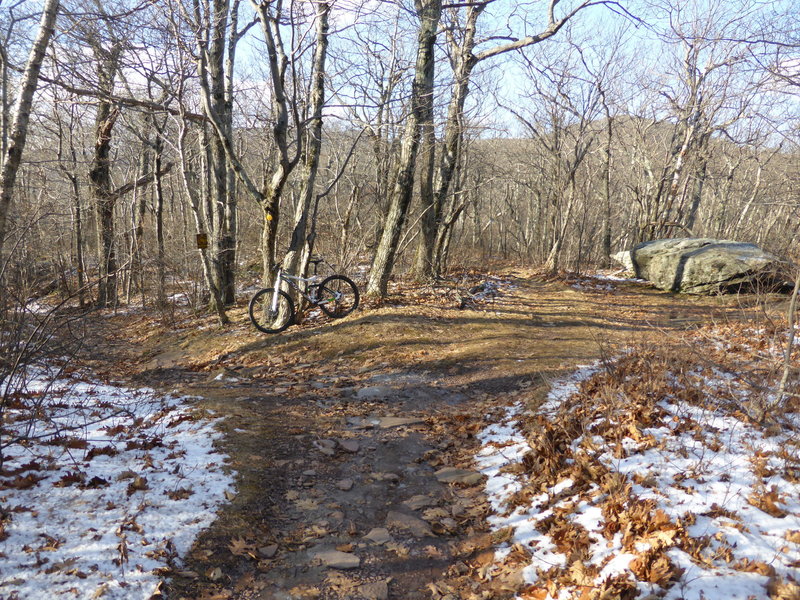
22	112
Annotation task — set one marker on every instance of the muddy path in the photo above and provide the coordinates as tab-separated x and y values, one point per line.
352	440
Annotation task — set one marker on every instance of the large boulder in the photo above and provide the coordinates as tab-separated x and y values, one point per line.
703	265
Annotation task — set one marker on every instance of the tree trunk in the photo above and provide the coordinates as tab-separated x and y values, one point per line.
429	12
300	246
223	242
22	110
161	289
79	260
190	187
697	192
607	186
463	63
423	263
104	201
138	211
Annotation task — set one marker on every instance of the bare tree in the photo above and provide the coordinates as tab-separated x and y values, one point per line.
465	54
301	244
15	144
429	12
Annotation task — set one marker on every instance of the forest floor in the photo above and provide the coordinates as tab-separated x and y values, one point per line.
353	441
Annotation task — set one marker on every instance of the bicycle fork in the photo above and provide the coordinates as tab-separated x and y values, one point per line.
275	292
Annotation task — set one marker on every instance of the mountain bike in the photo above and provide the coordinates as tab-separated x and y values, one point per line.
272	310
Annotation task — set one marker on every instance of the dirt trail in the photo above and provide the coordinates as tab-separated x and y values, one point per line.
352	440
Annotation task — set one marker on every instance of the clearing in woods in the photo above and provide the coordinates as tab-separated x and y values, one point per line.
352	440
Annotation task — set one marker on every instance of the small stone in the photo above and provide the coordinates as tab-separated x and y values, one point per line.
390	477
379	535
345	485
374	591
268	551
327	447
454	475
389	422
375	392
417	527
419	501
351	446
360	423
336	559
345	548
309	473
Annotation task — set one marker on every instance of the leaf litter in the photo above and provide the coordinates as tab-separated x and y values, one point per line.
105	490
649	476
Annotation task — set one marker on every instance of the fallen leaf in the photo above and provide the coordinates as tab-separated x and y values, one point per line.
241	547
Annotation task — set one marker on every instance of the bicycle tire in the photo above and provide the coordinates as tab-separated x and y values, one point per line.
261	315
338	296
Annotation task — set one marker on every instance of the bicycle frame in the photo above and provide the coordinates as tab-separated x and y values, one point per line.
292	281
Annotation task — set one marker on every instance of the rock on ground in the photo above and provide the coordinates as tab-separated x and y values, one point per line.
337	559
703	265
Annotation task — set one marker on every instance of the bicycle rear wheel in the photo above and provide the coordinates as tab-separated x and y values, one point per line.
267	320
338	296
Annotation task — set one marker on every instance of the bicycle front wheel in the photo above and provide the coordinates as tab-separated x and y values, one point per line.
264	317
338	296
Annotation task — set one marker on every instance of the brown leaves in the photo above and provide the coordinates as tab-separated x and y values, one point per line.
569	537
654	566
179	494
793	536
241	547
21	482
780	589
138	484
767	502
101	451
74	443
754	566
70	478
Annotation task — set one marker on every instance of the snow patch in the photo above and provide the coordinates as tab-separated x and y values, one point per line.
115	485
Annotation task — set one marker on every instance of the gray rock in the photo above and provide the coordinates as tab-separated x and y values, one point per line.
375	392
390	477
390	422
703	265
417	527
351	446
345	485
374	591
268	551
454	475
327	447
337	560
418	501
379	535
